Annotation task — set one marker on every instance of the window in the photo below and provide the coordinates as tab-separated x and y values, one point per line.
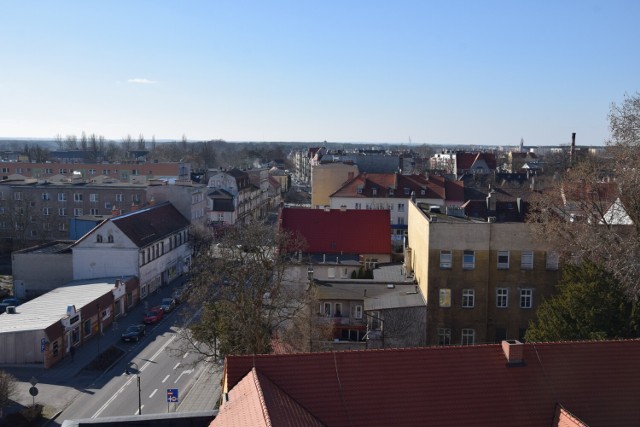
107	205
553	259
77	197
48	170
17	195
445	298
46	226
99	238
358	206
87	327
468	336
77	211
502	297
444	336
503	260
360	189
63	170
106	171
62	226
326	309
62	197
62	212
93	197
46	196
526	297
4	170
356	313
400	220
93	211
526	261
338	310
468	260
34	233
119	198
468	297
92	171
400	207
46	211
331	272
445	259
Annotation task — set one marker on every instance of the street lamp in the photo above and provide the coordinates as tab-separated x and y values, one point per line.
128	371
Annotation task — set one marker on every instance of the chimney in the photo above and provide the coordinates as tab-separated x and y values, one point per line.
572	152
514	352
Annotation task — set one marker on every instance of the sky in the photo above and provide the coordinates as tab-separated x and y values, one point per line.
411	72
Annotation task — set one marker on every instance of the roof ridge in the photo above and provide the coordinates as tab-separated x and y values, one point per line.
263	404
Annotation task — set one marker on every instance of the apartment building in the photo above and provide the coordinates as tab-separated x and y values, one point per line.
482	280
34	211
247	200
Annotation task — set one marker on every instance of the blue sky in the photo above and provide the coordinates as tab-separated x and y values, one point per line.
445	72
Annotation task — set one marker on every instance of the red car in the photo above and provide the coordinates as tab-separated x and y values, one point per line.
154	315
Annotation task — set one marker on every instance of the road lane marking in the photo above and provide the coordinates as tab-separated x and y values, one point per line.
136	413
175	367
112	398
182	373
185	355
166	378
154	392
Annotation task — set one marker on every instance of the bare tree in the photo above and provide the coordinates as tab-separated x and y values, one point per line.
593	211
239	285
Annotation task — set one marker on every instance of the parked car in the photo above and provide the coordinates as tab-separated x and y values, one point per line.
12	301
134	333
154	315
168	304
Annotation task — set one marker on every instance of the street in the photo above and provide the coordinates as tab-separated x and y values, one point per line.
163	365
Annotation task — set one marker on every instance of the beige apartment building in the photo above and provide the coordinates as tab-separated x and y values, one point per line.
483	281
327	178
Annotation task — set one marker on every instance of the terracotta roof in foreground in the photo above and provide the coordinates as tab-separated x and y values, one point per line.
596	383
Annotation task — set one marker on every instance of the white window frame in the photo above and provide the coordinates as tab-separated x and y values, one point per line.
526	260
119	197
468	336
553	260
326	309
77	211
93	197
502	297
93	211
62	197
526	298
446	259
468	298
401	207
62	211
77	197
444	298
469	260
357	312
503	260
444	336
17	195
46	196
46	211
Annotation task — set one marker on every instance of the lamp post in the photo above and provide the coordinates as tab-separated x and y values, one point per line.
137	372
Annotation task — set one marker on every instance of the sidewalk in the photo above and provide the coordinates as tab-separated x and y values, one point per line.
205	393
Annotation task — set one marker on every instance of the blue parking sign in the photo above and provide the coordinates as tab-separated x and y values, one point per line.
172	395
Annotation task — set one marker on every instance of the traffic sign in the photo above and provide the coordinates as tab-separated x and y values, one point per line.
33	391
172	395
43	345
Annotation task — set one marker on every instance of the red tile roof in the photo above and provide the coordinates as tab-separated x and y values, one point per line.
336	231
597	382
256	401
465	161
393	185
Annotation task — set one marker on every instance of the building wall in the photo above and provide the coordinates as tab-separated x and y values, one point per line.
92	259
35	274
190	199
490	322
328	178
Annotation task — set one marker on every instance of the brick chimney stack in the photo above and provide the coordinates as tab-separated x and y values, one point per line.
514	352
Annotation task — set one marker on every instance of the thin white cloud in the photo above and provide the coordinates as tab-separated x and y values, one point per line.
142	81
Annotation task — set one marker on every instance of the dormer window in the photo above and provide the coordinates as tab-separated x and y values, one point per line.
374	191
360	189
423	192
99	238
407	191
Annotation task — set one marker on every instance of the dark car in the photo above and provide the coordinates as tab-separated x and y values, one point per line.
134	333
154	315
167	304
12	301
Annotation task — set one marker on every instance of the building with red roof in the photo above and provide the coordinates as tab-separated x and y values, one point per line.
509	384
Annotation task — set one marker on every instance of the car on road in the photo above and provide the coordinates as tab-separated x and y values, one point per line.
12	301
168	304
134	333
154	315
